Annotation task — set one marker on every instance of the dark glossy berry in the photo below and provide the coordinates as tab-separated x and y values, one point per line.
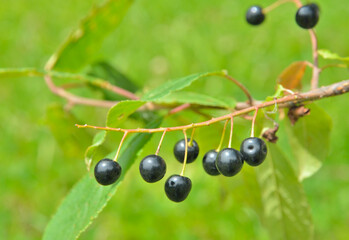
177	188
229	162
152	168
179	151
209	163
255	15
254	150
107	171
307	16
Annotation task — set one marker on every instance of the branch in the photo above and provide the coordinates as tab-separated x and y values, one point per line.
73	99
287	101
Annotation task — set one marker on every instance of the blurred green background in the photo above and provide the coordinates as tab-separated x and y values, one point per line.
159	40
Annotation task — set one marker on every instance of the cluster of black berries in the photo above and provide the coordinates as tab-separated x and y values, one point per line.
307	16
227	162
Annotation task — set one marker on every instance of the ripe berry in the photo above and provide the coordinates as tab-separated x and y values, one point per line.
107	171
179	151
255	15
254	150
209	163
307	16
229	162
152	168
177	188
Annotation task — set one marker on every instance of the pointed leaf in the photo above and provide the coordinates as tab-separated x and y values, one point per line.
327	54
310	140
84	42
174	85
286	210
194	98
292	76
87	198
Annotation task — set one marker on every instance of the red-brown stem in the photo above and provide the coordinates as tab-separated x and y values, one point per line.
159	146
231	130
284	102
274	5
316	69
254	122
121	142
179	108
73	99
185	152
242	87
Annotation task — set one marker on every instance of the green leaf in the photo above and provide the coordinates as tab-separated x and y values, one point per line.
120	112
327	54
286	212
20	72
175	85
310	140
109	73
87	198
116	115
91	151
61	123
195	98
84	42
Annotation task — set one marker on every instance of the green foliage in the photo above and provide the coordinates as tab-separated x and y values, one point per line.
286	211
87	198
174	85
327	54
84	42
195	98
194	37
310	140
104	70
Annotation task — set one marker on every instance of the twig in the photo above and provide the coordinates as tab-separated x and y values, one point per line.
287	101
73	99
241	86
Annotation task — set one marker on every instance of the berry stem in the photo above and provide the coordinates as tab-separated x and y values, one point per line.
121	142
191	137
316	69
222	137
254	121
274	5
161	139
185	152
231	131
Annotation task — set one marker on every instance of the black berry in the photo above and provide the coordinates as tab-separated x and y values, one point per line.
255	15
152	168
209	163
229	162
254	151
307	16
107	171
179	151
177	188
